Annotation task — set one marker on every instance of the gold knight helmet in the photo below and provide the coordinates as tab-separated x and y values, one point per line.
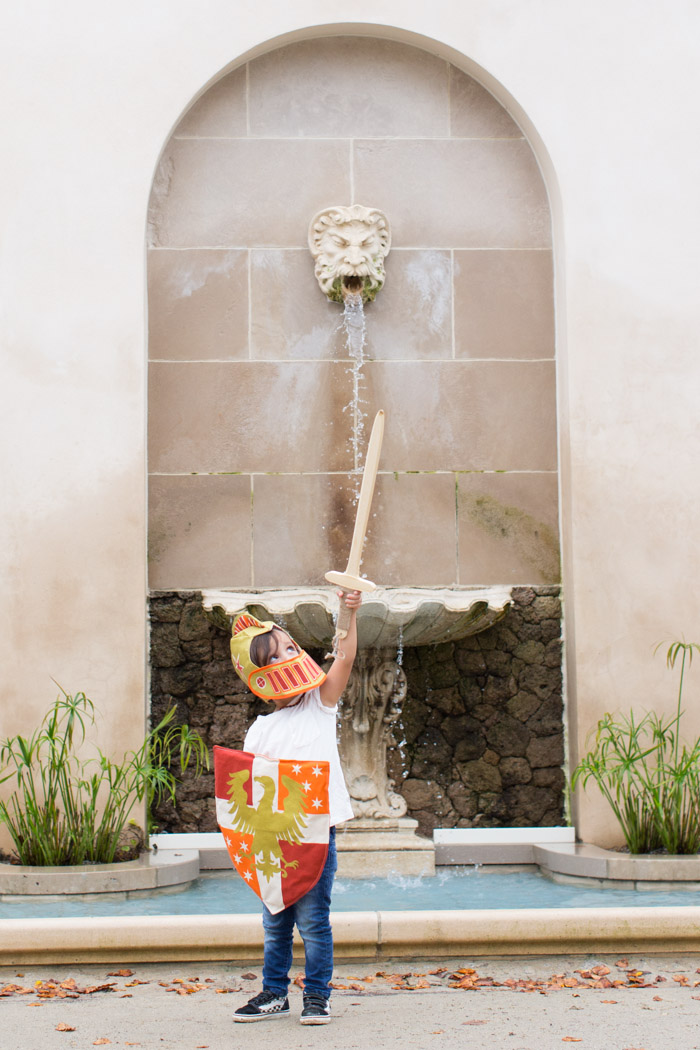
282	680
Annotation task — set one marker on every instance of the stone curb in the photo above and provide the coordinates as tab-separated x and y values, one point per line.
357	935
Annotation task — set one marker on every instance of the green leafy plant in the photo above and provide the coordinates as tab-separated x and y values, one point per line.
648	775
70	809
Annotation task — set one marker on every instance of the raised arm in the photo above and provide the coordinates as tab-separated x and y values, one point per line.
339	671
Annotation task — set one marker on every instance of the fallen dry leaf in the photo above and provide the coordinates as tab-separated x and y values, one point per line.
474	1022
15	989
102	1042
658	999
249	976
622	964
63	1027
126	995
132	984
121	973
438	1031
611	1002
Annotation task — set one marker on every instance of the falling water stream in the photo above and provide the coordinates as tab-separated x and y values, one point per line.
354	326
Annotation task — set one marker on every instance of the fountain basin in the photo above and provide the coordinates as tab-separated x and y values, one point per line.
381	838
588	921
390	617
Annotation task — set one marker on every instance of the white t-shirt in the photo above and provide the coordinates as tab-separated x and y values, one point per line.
304	731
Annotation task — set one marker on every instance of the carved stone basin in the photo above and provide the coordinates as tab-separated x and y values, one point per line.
381	838
389	618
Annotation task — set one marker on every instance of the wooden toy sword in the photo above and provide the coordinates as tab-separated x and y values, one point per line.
350	580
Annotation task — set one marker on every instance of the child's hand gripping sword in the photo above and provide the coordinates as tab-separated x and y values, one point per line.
350	580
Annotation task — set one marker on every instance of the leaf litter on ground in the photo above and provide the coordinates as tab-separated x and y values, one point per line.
465	978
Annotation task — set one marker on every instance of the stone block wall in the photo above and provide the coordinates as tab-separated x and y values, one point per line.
250	378
480	742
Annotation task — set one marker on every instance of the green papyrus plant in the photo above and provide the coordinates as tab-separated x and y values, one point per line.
648	775
70	809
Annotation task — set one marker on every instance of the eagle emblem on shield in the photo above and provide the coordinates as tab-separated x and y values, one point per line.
275	819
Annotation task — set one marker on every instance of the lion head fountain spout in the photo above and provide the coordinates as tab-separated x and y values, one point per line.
349	245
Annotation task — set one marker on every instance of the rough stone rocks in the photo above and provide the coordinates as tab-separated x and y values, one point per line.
480	736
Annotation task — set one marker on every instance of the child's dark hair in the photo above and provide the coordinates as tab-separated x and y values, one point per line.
260	647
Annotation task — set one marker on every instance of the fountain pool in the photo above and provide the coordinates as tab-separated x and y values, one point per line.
465	888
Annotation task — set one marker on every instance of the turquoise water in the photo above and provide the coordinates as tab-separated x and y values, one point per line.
218	893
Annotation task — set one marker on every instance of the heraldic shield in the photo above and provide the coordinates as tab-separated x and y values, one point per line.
275	819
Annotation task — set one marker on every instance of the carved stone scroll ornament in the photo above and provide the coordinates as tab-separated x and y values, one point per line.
349	245
370	706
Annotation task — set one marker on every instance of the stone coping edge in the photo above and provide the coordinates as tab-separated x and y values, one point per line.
150	872
578	860
357	935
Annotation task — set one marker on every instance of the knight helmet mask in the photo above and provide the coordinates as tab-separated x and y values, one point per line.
279	681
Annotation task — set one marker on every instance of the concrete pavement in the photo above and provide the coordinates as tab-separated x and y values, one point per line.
159	1013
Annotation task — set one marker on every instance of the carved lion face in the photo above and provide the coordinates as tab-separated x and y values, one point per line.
349	246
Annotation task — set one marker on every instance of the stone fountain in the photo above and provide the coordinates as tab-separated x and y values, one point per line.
349	246
380	839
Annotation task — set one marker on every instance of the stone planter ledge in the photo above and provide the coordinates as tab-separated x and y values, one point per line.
559	856
150	872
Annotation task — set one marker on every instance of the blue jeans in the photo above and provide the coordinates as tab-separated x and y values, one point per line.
311	913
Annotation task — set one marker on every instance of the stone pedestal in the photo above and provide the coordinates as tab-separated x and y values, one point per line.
381	839
369	847
370	706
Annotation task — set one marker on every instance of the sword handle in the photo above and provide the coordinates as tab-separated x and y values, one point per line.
342	625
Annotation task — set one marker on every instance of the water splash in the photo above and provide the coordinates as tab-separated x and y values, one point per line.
399	647
353	324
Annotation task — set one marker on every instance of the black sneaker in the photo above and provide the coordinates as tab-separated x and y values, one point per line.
317	1009
264	1006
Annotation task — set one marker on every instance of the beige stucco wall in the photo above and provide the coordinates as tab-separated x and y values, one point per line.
608	94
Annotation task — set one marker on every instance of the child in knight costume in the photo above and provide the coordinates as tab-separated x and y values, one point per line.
302	727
